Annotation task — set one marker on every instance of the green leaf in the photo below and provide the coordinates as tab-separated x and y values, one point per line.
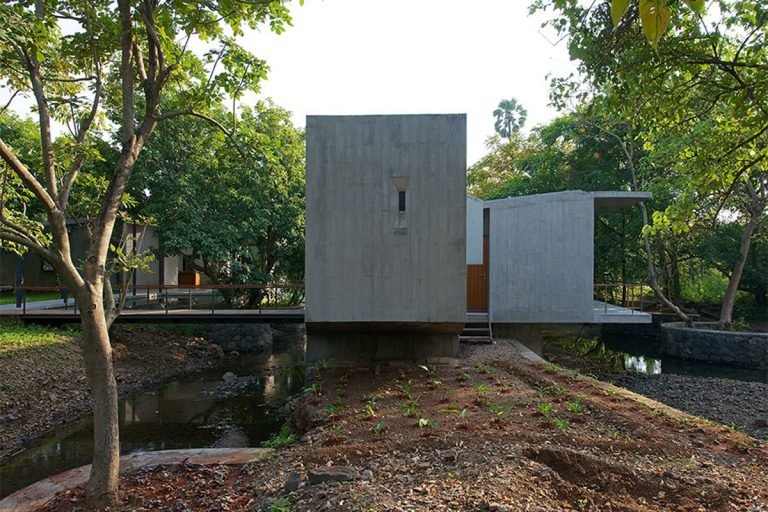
655	16
697	6
618	9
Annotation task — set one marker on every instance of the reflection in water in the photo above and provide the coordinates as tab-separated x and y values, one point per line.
640	354
178	414
642	364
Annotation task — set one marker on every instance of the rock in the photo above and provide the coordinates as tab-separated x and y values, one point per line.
228	377
366	475
761	422
331	474
292	482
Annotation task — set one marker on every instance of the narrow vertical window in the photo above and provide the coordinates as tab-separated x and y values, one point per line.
401	201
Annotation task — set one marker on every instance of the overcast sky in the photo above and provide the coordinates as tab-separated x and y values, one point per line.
409	57
412	57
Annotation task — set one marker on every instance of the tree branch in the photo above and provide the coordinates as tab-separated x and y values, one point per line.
190	112
27	177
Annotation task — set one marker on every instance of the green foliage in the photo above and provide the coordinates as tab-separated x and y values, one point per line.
16	336
280	505
577	406
379	429
425	422
281	440
243	218
510	117
561	423
545	408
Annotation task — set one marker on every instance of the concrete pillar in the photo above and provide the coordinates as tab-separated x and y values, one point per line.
530	335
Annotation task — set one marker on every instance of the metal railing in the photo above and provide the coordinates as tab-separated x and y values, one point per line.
204	297
630	295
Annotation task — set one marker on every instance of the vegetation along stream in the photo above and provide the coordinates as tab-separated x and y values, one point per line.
202	411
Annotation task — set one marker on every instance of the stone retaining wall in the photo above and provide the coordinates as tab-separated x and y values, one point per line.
254	338
705	343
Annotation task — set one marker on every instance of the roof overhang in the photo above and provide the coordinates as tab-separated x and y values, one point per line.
605	201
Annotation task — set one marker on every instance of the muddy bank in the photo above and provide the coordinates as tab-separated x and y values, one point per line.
45	387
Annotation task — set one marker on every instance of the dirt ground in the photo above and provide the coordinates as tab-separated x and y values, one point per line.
493	432
45	387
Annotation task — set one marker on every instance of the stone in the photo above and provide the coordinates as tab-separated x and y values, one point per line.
761	422
366	475
331	474
228	377
292	482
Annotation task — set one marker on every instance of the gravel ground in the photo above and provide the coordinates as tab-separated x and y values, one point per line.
741	405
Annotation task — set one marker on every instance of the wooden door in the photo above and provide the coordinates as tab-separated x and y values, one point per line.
477	283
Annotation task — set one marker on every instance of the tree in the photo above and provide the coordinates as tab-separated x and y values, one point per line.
242	219
119	59
698	104
510	117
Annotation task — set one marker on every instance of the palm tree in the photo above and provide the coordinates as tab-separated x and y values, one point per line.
510	117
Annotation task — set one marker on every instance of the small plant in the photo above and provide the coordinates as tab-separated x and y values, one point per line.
369	409
482	388
411	407
429	369
379	429
280	505
577	406
555	390
485	369
406	388
434	384
545	408
424	422
335	407
583	503
314	389
280	440
562	423
496	410
461	413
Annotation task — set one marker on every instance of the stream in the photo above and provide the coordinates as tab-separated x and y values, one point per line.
632	354
197	412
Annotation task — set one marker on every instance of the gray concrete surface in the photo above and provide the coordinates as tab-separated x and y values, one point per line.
366	261
541	258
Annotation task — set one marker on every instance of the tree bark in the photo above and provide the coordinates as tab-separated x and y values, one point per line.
726	310
102	488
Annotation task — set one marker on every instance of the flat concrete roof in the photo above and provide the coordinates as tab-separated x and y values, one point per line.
615	200
604	200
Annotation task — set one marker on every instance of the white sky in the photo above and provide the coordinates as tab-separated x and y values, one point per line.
412	57
409	57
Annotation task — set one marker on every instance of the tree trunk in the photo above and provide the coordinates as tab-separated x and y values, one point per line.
102	488
726	311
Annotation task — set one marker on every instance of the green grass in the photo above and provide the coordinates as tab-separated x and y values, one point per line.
17	336
10	297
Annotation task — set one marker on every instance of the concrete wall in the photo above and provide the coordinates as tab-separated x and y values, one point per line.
365	261
541	258
474	231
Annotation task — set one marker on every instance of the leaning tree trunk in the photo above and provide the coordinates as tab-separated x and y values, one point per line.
726	310
102	488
